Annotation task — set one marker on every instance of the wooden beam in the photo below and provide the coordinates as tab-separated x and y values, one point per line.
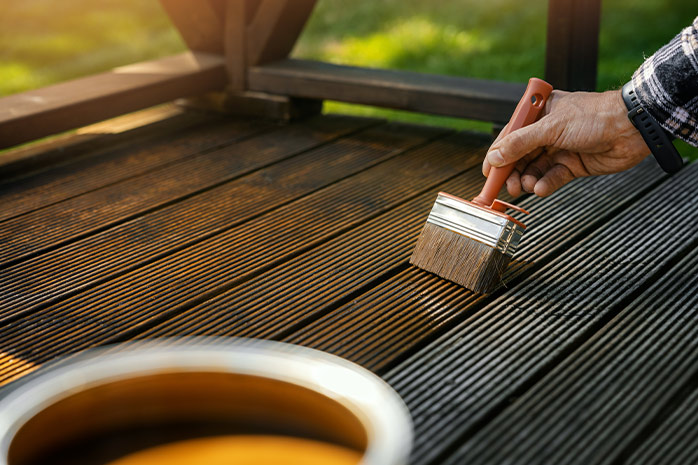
275	26
199	23
42	112
442	95
234	43
572	44
271	106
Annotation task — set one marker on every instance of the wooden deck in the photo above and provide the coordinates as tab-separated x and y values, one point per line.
206	225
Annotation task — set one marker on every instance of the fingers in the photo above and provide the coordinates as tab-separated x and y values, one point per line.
535	171
519	143
501	134
485	164
514	184
486	167
556	177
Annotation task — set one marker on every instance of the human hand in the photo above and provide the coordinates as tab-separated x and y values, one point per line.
579	134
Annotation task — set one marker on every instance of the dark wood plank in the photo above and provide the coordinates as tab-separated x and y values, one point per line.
443	95
572	45
132	127
235	43
49	110
139	152
462	380
136	299
601	402
676	439
310	285
377	328
47	228
210	212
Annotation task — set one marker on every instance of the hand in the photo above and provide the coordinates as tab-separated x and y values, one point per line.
579	134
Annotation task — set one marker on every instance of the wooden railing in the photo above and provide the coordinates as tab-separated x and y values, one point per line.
241	47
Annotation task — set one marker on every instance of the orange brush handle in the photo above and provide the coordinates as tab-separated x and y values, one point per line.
527	111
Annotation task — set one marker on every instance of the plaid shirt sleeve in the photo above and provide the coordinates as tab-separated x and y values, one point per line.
667	85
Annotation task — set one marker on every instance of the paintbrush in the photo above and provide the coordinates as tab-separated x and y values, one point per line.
472	243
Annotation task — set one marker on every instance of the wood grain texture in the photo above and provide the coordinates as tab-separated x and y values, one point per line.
42	154
175	139
572	45
442	95
231	250
235	43
49	110
302	234
223	181
274	28
200	23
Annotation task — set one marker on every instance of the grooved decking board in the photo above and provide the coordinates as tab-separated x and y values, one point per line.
376	328
675	441
98	257
25	161
126	305
597	403
301	289
166	143
460	381
305	237
76	217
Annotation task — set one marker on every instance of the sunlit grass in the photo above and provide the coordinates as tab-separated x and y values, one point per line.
43	42
405	42
406	116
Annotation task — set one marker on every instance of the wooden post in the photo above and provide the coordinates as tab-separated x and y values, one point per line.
198	22
274	29
235	43
246	33
572	44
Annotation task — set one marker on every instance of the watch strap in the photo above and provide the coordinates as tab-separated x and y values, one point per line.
654	135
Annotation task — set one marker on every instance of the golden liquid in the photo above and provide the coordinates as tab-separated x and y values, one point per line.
243	450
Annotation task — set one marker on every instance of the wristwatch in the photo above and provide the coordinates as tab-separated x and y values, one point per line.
656	138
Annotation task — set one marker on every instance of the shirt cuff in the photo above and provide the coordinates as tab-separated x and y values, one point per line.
667	85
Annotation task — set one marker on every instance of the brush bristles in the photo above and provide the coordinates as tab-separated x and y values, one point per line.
460	259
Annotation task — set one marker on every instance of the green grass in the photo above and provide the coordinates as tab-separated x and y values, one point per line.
43	41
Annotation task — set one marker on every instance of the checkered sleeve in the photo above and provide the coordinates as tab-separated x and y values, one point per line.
667	85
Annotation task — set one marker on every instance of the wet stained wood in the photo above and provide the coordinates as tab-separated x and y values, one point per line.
302	232
379	327
228	254
132	155
309	285
130	128
63	221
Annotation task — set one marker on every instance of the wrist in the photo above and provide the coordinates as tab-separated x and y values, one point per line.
619	126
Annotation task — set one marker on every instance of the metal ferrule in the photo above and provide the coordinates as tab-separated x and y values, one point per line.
478	224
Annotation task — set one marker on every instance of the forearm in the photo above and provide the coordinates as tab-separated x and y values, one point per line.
667	85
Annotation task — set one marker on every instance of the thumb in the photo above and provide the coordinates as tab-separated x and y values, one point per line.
516	145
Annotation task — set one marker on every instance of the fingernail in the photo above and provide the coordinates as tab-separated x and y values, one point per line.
495	158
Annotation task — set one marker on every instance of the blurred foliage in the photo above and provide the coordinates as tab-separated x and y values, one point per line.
43	41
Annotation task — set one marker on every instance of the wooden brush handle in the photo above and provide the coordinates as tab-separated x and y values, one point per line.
527	111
